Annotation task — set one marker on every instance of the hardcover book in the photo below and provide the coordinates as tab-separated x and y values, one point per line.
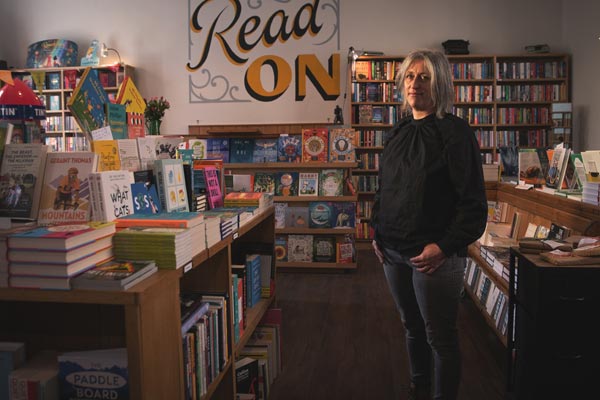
217	149
264	182
113	194
265	150
241	150
21	179
167	146
87	103
531	166
320	214
324	248
558	164
114	275
308	184
128	154
296	217
146	151
342	144
315	144
286	183
116	118
180	219
289	148
198	147
130	96
331	182
65	196
145	198
108	155
300	248
281	248
170	182
344	214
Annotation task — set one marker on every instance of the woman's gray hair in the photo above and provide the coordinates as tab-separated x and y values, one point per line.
442	89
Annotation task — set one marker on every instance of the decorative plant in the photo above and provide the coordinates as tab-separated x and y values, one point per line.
155	108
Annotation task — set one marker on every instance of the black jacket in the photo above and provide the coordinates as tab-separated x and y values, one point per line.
431	187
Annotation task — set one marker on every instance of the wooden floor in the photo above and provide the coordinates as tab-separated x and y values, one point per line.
343	339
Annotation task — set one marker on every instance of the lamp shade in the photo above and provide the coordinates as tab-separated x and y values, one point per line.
19	102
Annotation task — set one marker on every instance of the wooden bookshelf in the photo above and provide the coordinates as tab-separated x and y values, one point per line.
145	318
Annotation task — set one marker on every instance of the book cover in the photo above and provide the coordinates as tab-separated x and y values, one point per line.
315	144
308	184
12	356
80	374
108	155
167	146
135	125
321	214
213	187
300	248
343	214
342	144
65	195
324	248
331	182
286	183
246	375
345	250
289	148
146	151
60	237
265	150
114	275
21	179
280	211
128	154
241	150
558	164
87	103
509	161
130	97
296	217
198	147
178	219
116	118
170	183
591	165
281	248
264	182
574	174
145	198
530	166
217	149
114	192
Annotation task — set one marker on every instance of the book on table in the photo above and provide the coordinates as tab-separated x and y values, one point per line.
178	219
115	275
60	237
111	194
170	182
58	256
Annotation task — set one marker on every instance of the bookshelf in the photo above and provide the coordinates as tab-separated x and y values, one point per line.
272	131
145	318
61	131
536	207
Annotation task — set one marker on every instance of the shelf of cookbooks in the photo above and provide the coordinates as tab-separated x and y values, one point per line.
60	91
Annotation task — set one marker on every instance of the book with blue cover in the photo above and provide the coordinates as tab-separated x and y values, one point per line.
254	282
217	149
265	150
320	214
87	103
289	148
344	214
241	150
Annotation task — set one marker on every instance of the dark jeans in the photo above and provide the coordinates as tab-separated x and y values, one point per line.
428	306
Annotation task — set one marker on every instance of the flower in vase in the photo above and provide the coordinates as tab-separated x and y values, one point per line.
155	108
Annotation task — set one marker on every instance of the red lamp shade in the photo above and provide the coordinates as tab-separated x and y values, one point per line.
19	102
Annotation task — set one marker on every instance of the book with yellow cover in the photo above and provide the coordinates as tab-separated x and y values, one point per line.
130	96
108	155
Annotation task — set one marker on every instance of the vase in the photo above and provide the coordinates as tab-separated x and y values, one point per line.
153	126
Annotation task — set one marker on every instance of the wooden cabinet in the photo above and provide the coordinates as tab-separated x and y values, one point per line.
57	84
553	346
144	318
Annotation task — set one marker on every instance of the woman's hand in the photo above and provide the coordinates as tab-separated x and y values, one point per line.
430	259
378	252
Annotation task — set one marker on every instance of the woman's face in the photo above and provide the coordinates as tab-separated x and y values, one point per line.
417	88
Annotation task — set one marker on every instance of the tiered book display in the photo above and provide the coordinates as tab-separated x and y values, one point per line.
320	224
145	319
55	87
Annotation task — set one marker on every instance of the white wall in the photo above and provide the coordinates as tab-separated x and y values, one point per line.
152	35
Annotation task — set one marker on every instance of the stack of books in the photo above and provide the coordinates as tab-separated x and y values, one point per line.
115	275
49	257
229	220
212	227
170	248
249	199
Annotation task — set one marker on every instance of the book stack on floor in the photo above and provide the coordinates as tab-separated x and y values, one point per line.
49	257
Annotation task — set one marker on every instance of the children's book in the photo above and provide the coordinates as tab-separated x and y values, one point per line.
308	184
146	150
114	194
116	118
87	103
108	155
286	183
241	150
21	179
128	154
217	149
331	182
343	215
213	187
130	97
265	150
167	146
114	275
315	144
198	147
170	182
289	148
342	144
558	165
65	196
320	214
297	217
145	198
324	248
300	248
264	182
281	248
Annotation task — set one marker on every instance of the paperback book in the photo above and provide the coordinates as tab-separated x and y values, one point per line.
145	198
114	275
217	149
60	237
300	248
113	196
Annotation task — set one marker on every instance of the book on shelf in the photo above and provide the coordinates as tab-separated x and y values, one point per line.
251	199
65	194
296	217
217	148
145	198
345	250
281	248
343	214
21	179
342	144
264	182
509	162
246	375
289	148
12	356
331	182
178	219
111	192
60	237
198	147
265	150
286	183
213	186
114	275
324	248
81	371
315	144
116	118
243	183
146	151
241	150
300	248
320	214
87	102
253	266
36	379
280	211
170	183
308	183
574	174
166	147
